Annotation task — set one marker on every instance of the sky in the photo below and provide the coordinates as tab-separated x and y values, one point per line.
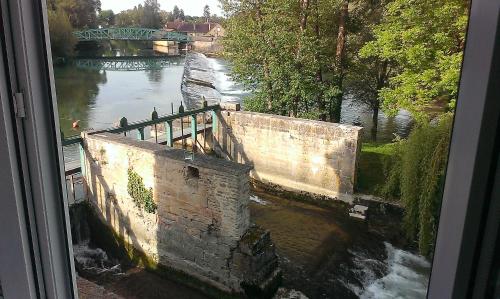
190	7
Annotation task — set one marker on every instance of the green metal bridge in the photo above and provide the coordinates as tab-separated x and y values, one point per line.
126	63
142	34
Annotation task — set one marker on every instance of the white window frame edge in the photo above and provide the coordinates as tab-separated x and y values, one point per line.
471	160
39	153
48	269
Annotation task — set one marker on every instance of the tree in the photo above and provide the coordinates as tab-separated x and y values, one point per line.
339	64
206	13
282	52
81	13
130	17
151	14
424	40
416	175
181	15
365	76
62	39
176	12
106	18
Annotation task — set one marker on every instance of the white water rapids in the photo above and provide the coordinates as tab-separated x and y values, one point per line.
407	277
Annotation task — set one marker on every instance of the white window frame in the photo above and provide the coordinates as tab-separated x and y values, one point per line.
35	244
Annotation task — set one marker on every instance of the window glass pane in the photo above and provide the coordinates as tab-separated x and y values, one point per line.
283	147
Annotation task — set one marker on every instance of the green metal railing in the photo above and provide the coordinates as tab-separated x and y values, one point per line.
132	33
139	126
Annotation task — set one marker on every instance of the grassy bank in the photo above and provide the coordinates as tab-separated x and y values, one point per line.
371	168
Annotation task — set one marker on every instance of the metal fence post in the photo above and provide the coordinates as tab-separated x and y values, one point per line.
82	158
123	123
194	130
140	134
170	133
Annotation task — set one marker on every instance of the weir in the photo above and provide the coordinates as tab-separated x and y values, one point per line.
188	211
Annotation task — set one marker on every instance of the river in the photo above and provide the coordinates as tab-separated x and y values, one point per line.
99	91
323	253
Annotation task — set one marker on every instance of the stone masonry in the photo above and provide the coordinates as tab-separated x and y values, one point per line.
202	222
299	155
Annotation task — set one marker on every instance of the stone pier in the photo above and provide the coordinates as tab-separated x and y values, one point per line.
189	215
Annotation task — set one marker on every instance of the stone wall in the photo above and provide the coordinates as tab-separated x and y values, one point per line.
317	158
201	225
208	45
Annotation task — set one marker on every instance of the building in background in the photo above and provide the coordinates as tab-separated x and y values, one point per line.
206	36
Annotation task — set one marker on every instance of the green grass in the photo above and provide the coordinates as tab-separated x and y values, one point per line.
371	176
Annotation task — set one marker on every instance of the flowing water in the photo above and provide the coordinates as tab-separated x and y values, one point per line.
353	112
324	254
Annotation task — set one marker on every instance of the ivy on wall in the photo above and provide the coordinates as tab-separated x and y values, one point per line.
142	196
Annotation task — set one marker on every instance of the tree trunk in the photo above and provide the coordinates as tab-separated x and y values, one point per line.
374	130
319	75
339	62
304	13
381	82
265	63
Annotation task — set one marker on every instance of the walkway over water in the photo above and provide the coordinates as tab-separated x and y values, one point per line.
171	134
130	34
125	63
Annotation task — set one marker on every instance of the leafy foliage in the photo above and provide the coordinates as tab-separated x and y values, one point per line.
66	15
151	17
146	15
61	33
206	13
416	174
82	13
106	18
424	40
142	196
282	51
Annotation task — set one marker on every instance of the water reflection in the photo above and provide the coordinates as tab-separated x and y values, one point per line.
76	90
106	90
353	112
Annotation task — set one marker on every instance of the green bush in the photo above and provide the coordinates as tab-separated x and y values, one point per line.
416	174
142	196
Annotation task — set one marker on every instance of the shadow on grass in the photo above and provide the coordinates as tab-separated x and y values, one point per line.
374	159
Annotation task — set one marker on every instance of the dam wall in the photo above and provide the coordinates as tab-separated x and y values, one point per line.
187	214
303	156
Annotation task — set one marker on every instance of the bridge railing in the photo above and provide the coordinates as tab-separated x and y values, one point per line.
76	174
130	33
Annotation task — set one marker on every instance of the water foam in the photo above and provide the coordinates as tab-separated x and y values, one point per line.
407	277
258	200
223	81
94	260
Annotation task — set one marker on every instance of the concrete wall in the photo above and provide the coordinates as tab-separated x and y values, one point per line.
299	155
166	47
202	221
